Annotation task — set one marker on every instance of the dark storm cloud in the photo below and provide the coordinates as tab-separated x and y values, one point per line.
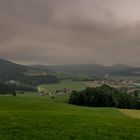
70	31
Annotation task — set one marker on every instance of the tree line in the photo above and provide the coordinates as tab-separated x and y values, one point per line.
7	89
30	80
104	96
38	80
12	88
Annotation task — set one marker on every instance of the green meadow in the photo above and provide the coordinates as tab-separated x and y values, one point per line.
31	117
69	84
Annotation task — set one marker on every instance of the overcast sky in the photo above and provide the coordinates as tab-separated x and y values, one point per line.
70	31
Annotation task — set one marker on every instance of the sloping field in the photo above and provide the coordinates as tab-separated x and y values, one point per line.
41	118
131	113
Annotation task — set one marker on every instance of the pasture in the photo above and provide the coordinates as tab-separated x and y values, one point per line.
31	117
68	84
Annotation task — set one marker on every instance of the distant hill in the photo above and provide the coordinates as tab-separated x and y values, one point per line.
39	73
120	67
84	69
5	64
128	72
17	72
10	70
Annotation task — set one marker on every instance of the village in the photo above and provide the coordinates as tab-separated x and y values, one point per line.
119	82
125	86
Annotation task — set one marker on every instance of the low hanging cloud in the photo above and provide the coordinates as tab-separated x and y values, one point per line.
70	31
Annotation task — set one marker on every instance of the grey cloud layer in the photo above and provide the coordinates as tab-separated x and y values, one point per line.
70	31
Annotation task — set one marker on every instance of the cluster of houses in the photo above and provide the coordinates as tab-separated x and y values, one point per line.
43	93
119	82
126	86
61	91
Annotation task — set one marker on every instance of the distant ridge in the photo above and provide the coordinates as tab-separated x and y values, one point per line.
10	70
8	65
85	69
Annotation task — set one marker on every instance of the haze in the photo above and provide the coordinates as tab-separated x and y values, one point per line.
70	31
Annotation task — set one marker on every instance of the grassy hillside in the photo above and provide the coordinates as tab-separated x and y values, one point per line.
40	118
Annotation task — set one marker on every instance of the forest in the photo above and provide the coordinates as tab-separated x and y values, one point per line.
104	96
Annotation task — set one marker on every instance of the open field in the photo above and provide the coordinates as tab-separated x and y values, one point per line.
32	72
69	84
92	84
40	118
131	113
